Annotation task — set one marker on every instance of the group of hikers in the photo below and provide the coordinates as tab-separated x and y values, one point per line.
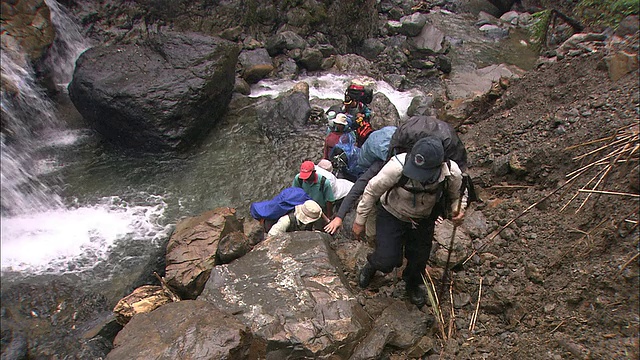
403	180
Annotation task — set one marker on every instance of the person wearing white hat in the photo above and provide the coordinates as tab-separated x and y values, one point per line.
302	218
340	129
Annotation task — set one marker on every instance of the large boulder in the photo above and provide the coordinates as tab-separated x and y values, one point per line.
192	248
280	117
290	290
183	330
163	94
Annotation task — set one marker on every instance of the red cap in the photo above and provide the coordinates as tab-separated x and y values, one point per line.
306	169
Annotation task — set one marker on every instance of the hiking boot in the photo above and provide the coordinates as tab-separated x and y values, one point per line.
417	295
365	275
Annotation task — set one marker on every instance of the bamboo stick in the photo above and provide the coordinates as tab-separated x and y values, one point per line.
610	193
472	325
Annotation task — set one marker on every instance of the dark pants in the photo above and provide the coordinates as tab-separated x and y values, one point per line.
395	238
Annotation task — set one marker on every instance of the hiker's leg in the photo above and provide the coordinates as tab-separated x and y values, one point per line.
417	250
389	233
370	226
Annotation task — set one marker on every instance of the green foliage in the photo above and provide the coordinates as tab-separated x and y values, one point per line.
538	28
607	13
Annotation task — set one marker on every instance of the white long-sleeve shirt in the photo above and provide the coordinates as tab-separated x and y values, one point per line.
401	203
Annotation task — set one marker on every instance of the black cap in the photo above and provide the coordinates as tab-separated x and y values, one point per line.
424	162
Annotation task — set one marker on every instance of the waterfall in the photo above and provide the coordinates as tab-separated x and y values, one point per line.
28	115
40	233
67	47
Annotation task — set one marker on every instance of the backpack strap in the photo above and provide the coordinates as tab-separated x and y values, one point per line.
322	181
438	191
293	222
294	225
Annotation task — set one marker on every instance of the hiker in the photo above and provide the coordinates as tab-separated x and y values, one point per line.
402	140
340	187
410	187
302	218
363	129
315	186
356	98
339	129
269	211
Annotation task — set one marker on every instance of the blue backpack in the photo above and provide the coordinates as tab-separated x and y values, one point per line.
344	157
280	205
376	148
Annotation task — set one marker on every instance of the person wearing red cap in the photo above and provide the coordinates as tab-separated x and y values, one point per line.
316	186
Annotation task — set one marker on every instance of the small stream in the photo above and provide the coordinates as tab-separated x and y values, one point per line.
74	206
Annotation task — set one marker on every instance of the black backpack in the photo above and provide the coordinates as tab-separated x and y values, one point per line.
294	225
359	92
421	126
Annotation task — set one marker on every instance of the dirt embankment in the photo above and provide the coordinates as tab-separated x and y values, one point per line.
562	280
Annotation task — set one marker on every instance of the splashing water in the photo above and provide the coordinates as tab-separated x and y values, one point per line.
39	234
332	86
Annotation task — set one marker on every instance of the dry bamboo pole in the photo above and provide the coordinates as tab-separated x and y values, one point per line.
452	317
612	144
604	176
475	251
435	304
628	262
167	289
610	193
474	318
618	131
578	193
602	161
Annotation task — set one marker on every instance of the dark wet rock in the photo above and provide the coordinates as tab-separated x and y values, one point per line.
26	25
39	319
194	329
442	237
284	41
164	94
475	224
398	326
256	65
278	118
231	247
371	48
311	59
291	292
421	106
430	41
385	114
241	86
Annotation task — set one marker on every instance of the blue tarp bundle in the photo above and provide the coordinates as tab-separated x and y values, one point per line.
281	204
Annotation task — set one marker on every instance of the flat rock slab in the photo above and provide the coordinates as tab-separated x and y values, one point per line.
291	292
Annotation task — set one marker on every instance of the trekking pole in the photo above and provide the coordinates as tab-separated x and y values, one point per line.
453	236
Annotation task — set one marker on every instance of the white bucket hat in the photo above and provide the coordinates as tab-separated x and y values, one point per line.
308	212
341	119
325	164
